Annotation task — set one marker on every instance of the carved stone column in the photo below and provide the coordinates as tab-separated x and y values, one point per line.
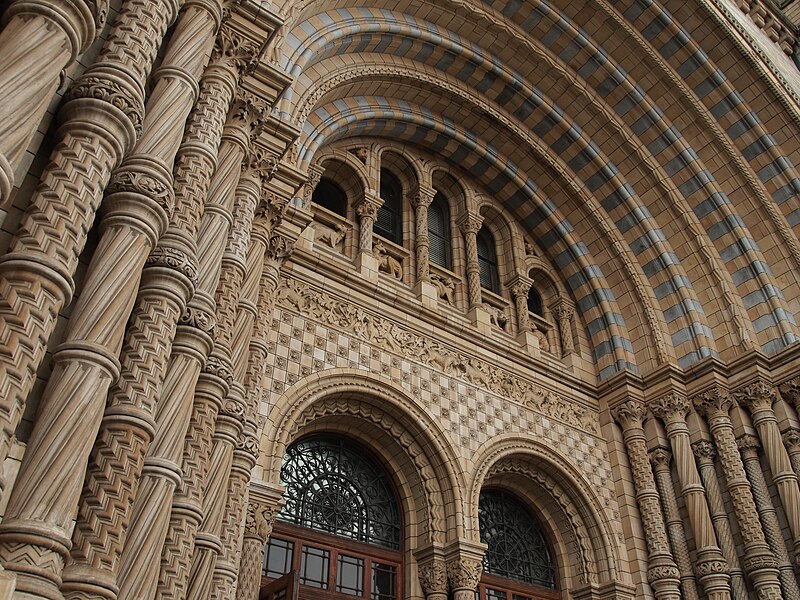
564	313
790	392
40	38
704	452
421	202
661	458
41	510
167	283
264	504
470	225
100	120
314	175
748	446
662	572
759	398
791	439
433	579
712	570
759	563
463	575
367	211
195	165
520	286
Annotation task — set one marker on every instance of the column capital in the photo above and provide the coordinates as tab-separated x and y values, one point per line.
232	46
748	444
790	391
671	408
279	247
660	458
791	439
422	196
562	309
704	451
247	110
713	402
519	285
433	578
369	205
470	222
314	176
757	395
630	414
464	573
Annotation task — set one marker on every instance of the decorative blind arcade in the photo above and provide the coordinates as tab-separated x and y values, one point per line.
333	486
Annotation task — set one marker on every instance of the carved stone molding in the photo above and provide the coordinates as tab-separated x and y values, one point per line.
174	259
113	93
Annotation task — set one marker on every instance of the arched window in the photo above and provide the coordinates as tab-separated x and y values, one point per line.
487	260
535	302
439	232
340	527
516	550
389	221
329	195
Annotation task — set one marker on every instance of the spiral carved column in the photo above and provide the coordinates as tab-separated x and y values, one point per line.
759	397
264	504
661	458
41	510
422	201
712	569
470	226
39	40
759	563
367	211
662	573
748	446
520	287
193	173
564	313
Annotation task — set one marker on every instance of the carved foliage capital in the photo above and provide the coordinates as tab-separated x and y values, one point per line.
231	46
630	414
758	395
661	458
748	444
464	574
261	164
423	197
704	450
671	408
433	578
714	402
367	208
563	312
790	391
259	520
279	248
792	439
471	223
314	175
248	110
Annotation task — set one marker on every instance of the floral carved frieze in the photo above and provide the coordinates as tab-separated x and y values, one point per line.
391	337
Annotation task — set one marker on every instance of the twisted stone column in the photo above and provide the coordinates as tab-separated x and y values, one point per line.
520	286
704	452
564	313
791	439
712	570
41	510
421	202
759	563
167	283
759	398
470	226
748	446
367	211
660	459
263	506
463	575
39	40
193	173
662	572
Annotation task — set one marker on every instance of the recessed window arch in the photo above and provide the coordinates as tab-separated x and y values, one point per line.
340	528
439	240
389	221
487	260
329	195
517	549
535	302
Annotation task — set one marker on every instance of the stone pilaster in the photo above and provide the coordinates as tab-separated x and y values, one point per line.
421	202
470	225
195	164
39	39
759	397
759	563
704	452
662	572
712	570
167	283
661	459
264	504
41	510
519	287
748	446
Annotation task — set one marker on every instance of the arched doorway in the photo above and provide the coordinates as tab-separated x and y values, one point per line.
340	530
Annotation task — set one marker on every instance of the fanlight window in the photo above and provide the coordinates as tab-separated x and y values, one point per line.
439	232
335	487
517	548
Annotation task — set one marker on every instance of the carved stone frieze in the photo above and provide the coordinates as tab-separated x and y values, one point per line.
174	259
113	93
197	318
388	335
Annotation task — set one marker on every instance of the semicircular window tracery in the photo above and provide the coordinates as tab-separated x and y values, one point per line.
333	486
516	546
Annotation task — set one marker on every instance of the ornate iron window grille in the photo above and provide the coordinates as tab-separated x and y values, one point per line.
517	549
334	486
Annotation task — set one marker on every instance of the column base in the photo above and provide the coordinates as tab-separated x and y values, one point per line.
427	293
481	320
367	266
530	343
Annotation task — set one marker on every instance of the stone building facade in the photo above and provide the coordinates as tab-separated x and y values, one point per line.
539	255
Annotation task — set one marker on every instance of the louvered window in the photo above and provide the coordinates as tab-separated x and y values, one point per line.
487	260
439	232
389	221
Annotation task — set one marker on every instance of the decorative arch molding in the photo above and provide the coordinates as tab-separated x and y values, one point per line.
547	468
341	155
395	420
